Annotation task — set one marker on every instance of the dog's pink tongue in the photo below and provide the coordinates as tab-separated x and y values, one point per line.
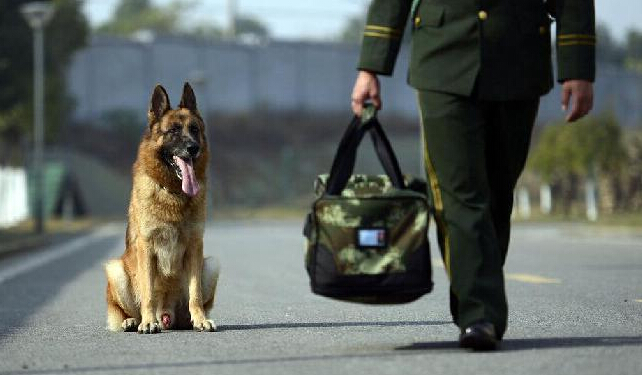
190	185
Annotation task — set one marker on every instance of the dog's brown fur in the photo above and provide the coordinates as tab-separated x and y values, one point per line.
162	280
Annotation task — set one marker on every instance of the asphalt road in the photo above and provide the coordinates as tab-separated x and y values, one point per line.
575	298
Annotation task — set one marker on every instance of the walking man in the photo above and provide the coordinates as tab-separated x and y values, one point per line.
479	68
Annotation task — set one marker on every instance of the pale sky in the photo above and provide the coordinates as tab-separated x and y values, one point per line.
312	19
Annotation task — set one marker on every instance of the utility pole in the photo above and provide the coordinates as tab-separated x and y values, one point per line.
38	14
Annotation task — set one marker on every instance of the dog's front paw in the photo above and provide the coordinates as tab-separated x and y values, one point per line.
130	325
205	325
149	327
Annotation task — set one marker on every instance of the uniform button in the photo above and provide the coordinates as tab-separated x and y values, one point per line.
542	30
482	15
417	21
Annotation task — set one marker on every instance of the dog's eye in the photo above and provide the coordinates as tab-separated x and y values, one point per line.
193	128
175	129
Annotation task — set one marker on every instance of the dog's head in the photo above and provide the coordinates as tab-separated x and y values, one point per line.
178	138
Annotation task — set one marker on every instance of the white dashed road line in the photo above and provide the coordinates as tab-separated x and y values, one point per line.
520	277
531	279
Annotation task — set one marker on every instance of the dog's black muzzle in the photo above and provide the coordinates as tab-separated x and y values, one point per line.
186	150
193	149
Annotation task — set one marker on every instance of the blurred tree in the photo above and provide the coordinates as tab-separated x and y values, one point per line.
246	28
251	27
353	30
551	159
131	16
66	32
126	8
634	50
608	49
633	178
634	44
207	31
568	153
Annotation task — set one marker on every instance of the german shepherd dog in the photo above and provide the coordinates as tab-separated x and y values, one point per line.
162	280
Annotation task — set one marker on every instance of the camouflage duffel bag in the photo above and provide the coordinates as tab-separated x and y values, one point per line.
367	234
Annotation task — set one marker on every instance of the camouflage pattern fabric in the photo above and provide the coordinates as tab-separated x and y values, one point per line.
368	202
359	185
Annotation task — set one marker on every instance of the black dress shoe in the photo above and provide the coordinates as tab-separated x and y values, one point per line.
479	336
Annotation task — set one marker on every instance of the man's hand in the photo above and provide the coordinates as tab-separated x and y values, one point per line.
366	87
580	94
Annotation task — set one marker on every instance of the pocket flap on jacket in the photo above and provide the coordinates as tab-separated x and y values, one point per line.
429	15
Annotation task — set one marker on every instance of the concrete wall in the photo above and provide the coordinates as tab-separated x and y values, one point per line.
113	73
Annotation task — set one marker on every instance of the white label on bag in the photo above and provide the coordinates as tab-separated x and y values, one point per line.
372	237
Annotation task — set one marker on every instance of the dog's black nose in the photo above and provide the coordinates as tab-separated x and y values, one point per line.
193	149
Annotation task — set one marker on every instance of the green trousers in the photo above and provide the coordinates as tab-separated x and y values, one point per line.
475	151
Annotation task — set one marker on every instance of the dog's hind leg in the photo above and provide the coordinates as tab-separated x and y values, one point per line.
122	311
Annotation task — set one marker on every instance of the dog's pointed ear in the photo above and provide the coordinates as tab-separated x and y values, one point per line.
188	100
158	105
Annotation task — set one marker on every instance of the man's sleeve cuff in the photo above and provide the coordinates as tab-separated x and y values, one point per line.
575	57
379	49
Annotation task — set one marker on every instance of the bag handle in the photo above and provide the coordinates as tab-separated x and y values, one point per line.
344	160
386	155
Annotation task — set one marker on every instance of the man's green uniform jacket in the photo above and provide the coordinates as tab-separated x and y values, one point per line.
504	45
